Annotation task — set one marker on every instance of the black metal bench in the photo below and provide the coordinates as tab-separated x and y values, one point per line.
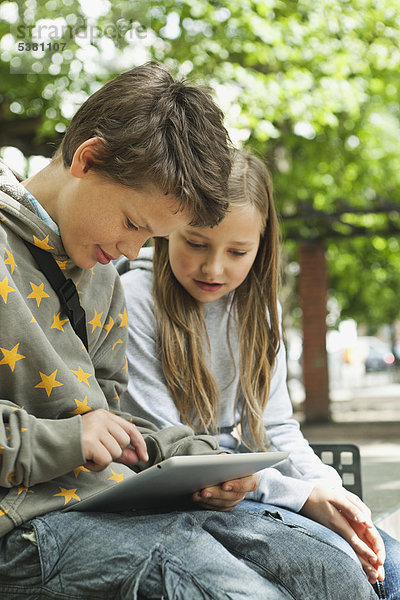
345	458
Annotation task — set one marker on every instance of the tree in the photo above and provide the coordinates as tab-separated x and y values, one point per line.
310	86
365	277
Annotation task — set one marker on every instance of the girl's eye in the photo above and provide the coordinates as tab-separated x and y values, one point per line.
131	225
238	253
194	245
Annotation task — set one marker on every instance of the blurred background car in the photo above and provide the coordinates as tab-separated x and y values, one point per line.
378	355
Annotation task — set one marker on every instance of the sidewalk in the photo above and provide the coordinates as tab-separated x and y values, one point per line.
369	418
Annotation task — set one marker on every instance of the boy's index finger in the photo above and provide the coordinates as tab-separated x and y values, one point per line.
136	439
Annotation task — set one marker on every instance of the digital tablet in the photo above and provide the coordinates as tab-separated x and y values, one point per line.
176	478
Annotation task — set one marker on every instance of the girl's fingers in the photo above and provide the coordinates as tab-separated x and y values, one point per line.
369	570
222	504
374	574
218	499
358	502
373	539
349	506
350	510
241	485
359	546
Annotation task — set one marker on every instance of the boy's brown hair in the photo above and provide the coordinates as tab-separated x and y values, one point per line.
161	132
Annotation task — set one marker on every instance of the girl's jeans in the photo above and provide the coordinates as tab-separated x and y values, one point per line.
184	555
392	563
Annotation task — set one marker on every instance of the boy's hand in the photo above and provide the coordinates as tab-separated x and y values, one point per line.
107	437
344	512
225	496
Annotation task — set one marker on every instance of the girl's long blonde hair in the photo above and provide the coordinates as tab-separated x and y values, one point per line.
181	327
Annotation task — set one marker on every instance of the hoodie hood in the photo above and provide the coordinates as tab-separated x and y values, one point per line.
143	261
16	209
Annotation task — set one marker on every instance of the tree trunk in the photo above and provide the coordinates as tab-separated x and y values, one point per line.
313	284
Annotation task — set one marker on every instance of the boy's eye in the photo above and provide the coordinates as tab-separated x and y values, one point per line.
131	225
194	245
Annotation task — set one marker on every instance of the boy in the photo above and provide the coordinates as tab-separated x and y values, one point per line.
143	156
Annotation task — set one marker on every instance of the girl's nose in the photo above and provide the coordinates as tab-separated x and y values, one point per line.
212	267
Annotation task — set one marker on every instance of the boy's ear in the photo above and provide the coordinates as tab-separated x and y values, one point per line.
85	156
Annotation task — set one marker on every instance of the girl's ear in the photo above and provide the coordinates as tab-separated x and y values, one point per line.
85	156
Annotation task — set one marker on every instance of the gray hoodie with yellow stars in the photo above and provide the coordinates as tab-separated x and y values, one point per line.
48	379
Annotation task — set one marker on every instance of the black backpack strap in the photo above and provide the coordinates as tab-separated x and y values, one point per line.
64	288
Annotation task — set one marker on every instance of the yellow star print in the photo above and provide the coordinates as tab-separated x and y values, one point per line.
68	494
11	477
23	488
10	261
44	243
124	318
48	382
5	289
82	376
3	512
81	407
58	322
95	322
118	477
10	357
79	470
116	343
62	264
109	325
38	293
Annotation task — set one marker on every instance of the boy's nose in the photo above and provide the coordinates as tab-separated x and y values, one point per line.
131	249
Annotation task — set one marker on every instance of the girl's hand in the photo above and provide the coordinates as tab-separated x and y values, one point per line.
107	437
343	512
227	495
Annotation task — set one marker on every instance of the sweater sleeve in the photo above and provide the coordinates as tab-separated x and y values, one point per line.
291	481
30	447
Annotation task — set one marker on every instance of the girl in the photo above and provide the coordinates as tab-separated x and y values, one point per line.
205	350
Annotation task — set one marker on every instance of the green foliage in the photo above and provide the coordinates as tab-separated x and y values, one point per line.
365	279
311	86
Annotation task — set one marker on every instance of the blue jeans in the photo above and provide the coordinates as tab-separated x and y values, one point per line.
392	563
182	555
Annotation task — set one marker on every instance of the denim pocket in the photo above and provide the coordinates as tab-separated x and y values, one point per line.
274	515
20	569
49	553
